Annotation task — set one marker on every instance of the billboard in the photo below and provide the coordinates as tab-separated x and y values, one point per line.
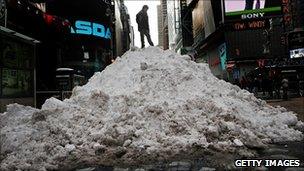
203	19
198	18
251	9
254	44
88	27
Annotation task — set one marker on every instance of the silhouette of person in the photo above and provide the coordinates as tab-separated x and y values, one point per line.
143	26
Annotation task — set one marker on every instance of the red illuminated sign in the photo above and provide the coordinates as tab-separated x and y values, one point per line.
287	16
215	62
249	25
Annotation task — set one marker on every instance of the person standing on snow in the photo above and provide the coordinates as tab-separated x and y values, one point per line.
143	26
285	88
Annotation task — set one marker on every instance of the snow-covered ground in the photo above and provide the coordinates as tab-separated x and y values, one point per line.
148	105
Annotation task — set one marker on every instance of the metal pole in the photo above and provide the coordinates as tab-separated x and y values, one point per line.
223	11
5	18
35	78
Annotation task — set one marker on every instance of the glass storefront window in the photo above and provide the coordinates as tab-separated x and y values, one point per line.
16	68
16	82
25	55
17	54
9	56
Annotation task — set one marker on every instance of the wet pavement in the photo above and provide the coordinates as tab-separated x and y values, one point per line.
281	151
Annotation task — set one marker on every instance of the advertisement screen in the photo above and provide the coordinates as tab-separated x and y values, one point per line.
251	9
252	44
297	53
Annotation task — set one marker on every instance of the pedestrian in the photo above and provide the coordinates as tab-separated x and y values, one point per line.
277	87
250	84
285	88
244	83
143	26
258	4
301	88
256	84
270	88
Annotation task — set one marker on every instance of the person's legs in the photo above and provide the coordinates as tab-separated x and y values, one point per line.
149	37
142	39
258	4
285	93
249	4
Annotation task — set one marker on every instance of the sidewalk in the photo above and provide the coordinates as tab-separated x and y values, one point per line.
293	104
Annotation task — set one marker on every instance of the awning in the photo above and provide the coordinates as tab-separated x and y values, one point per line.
19	35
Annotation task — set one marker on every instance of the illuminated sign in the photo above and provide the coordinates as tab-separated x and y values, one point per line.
287	14
297	53
223	55
252	16
214	63
251	9
89	28
296	44
249	25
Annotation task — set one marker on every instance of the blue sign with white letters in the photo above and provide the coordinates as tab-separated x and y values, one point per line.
89	28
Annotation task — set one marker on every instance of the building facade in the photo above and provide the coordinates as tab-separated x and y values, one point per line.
20	21
174	21
74	42
17	68
233	40
160	25
164	28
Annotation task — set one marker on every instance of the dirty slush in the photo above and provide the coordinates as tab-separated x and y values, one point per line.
149	105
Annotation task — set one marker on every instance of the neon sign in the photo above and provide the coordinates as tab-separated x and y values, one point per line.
89	28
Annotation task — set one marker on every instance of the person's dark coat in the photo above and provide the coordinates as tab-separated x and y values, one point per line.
142	21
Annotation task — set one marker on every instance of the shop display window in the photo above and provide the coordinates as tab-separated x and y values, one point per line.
16	83
16	68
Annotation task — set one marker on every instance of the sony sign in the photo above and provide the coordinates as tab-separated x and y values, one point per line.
89	28
253	16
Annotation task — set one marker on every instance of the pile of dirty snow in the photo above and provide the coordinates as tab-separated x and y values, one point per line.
148	105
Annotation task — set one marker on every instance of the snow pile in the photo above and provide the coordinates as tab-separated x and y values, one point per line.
148	105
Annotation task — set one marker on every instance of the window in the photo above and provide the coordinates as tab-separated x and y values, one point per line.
17	63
